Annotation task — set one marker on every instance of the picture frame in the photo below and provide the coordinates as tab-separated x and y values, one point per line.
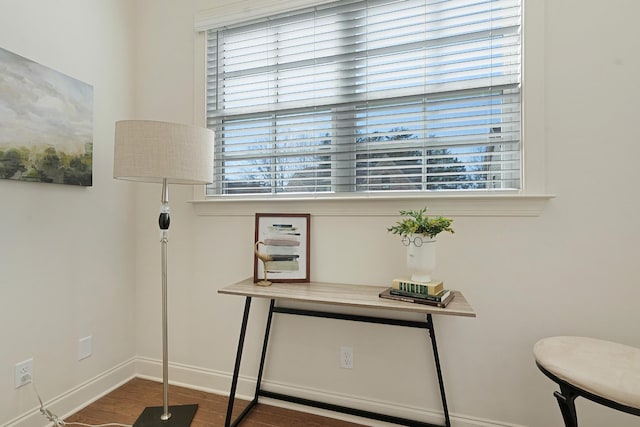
285	237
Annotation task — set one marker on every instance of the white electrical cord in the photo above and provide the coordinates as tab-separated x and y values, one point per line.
60	423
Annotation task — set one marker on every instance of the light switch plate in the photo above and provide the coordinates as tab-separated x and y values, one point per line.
84	347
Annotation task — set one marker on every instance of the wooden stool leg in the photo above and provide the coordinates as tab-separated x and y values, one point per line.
566	399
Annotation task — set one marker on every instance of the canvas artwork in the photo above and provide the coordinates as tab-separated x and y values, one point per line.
46	131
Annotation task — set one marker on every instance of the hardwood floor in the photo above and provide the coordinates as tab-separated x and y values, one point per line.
125	404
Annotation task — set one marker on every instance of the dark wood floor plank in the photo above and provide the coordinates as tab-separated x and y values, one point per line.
124	404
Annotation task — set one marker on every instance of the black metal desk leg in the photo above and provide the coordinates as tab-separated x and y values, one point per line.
236	369
432	334
264	348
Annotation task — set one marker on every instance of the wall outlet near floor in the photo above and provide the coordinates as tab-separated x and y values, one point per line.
346	357
24	372
84	347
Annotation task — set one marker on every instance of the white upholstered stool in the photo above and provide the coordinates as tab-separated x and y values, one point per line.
605	372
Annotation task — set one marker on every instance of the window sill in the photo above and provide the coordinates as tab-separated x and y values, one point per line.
485	204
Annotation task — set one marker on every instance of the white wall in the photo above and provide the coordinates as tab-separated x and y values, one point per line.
67	253
570	270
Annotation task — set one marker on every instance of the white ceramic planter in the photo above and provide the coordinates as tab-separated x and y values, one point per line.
421	260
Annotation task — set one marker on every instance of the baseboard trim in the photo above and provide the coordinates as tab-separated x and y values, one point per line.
218	382
78	397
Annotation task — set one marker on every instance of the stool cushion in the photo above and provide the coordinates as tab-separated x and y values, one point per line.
606	369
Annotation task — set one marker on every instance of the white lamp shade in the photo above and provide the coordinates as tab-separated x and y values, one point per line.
151	151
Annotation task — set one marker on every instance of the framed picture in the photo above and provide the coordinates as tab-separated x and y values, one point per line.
284	241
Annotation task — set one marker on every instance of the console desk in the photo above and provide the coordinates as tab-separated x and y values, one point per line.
341	295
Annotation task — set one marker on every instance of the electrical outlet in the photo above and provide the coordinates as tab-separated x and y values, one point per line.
24	372
346	357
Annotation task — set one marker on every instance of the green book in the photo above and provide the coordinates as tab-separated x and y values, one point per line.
427	288
442	304
441	296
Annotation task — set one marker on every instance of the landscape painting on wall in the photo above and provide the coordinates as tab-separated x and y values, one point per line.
46	124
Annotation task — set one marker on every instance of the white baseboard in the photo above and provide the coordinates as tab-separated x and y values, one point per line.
218	382
78	397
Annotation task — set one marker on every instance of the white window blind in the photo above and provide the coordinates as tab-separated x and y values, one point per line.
367	96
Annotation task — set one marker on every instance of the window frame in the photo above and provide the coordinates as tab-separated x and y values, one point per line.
528	201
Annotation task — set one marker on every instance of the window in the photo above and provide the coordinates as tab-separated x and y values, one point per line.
368	96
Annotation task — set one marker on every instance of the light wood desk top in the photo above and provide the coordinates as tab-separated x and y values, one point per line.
361	296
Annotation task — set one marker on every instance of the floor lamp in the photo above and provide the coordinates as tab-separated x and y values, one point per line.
167	153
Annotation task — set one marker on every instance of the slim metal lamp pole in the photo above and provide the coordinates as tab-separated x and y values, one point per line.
163	222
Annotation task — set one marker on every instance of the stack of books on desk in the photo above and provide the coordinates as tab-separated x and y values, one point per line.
427	293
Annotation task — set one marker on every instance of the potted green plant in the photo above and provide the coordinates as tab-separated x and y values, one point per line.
418	222
418	231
